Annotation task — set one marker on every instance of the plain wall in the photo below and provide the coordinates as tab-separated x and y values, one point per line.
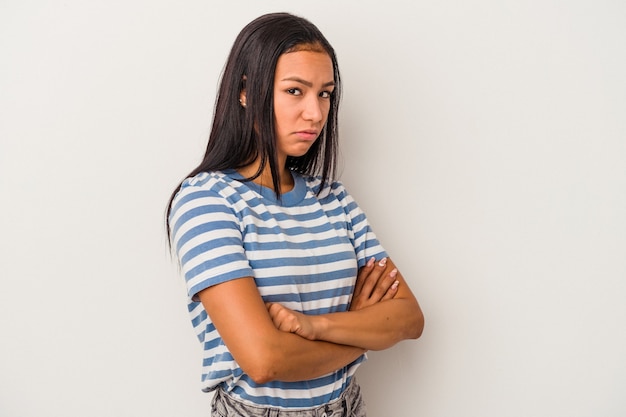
486	140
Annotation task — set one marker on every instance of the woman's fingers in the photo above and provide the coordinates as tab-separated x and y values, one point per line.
392	290
290	321
374	284
363	275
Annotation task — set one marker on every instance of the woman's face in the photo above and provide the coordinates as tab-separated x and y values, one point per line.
303	83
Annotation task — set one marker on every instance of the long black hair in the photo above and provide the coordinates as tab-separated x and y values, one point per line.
239	136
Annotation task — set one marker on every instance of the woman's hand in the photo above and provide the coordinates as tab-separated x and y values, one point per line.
374	284
291	321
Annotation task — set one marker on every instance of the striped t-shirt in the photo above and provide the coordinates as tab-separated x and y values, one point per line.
303	250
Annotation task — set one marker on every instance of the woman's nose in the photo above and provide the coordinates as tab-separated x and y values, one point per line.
312	110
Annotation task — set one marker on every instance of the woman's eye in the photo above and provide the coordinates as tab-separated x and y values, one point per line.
325	94
294	91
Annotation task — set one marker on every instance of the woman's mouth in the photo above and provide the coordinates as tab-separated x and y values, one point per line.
307	134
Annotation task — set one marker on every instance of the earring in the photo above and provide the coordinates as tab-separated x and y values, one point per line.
243	103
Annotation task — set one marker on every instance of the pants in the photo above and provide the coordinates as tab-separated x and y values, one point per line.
349	404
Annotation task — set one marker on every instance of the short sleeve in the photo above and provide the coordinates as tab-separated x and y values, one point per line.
207	238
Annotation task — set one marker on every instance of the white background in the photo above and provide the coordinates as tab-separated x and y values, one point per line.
486	140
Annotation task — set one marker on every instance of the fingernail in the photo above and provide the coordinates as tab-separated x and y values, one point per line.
395	285
393	273
371	261
383	262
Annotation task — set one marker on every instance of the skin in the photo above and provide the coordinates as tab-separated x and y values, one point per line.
290	346
303	83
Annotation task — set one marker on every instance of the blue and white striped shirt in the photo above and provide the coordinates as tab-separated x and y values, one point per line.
303	251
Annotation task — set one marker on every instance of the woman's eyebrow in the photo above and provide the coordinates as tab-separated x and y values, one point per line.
307	83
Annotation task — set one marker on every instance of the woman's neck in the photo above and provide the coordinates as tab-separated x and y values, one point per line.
285	179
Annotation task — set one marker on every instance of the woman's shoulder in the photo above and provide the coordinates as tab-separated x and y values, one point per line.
206	184
333	187
205	180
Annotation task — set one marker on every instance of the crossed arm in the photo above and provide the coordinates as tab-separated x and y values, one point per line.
271	342
385	313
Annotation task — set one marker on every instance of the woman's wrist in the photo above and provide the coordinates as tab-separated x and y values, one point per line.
320	325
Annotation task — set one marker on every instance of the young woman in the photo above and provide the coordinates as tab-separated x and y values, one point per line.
288	285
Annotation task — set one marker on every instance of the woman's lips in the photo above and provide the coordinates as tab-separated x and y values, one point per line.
307	134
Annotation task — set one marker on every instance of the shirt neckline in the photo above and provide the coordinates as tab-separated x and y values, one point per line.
290	198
